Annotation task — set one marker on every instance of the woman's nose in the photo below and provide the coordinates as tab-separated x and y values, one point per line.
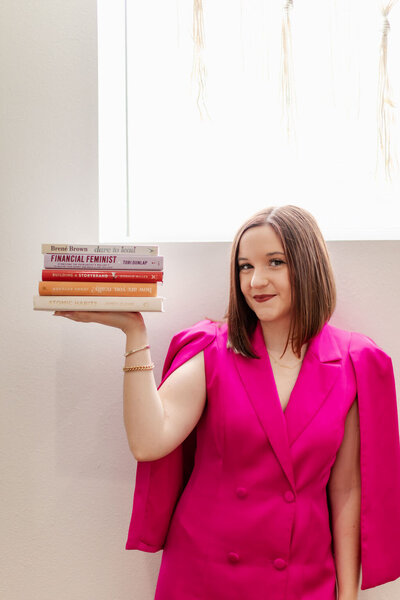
259	278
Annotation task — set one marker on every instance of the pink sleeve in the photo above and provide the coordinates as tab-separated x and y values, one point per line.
159	483
379	462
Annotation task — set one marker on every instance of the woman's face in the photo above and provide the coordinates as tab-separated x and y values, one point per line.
263	272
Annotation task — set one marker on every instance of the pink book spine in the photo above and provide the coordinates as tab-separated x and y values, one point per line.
110	261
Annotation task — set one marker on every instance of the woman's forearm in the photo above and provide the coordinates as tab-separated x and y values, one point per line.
345	510
143	409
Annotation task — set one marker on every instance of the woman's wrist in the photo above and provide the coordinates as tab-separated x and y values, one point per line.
136	338
348	596
134	325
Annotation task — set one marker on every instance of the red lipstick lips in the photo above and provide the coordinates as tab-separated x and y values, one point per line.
263	298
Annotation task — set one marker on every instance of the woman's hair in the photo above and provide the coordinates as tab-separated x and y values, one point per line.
311	279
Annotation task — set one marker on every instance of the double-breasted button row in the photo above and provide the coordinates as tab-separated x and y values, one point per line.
279	563
241	492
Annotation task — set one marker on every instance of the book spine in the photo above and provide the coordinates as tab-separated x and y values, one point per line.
117	276
101	262
78	288
99	303
99	249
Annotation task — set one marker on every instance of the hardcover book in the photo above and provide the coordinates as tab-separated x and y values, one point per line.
91	288
117	276
99	249
98	303
100	261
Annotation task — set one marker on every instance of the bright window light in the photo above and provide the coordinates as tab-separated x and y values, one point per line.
169	174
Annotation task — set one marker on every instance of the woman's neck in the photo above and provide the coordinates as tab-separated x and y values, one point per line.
275	336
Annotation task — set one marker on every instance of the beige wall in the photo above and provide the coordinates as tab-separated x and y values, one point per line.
66	471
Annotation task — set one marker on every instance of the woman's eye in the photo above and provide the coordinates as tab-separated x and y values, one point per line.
243	267
276	260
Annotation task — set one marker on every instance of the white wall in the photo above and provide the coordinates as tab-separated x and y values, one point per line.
66	471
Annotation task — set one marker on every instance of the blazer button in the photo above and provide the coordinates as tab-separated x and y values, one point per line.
233	557
241	492
289	496
280	564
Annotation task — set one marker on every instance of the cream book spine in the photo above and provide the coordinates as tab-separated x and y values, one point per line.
99	303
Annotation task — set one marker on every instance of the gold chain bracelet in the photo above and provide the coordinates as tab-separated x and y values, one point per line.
139	368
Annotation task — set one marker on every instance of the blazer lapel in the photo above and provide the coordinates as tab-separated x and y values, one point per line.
318	373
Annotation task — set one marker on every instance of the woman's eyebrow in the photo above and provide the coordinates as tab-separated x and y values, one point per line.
268	254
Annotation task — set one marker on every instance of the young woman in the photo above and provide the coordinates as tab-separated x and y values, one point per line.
252	474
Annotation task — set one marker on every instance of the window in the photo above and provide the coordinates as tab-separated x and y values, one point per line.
167	174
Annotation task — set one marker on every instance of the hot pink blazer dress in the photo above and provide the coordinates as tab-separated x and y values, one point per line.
240	508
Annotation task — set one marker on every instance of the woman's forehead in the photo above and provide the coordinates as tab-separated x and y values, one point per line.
261	238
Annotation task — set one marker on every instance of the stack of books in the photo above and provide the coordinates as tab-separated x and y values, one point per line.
100	277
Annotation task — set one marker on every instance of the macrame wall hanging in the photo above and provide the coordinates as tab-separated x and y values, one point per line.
386	107
288	96
199	71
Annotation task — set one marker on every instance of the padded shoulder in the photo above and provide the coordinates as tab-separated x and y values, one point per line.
365	351
187	343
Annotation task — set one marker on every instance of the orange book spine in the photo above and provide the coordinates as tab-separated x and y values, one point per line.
91	288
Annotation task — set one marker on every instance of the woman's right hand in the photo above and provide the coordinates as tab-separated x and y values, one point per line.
127	321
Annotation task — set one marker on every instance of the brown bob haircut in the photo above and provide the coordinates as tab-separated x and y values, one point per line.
311	279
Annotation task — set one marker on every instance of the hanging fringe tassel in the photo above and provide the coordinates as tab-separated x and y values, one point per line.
199	71
288	98
386	113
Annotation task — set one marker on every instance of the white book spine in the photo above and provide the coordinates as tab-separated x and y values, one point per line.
99	249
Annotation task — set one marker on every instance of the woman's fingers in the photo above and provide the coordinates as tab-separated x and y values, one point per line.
121	320
75	315
88	316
